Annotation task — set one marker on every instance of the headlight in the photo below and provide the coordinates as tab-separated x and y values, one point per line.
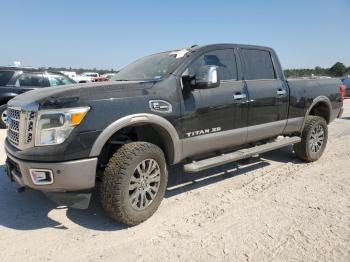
54	126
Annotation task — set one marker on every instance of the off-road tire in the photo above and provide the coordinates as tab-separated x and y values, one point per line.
115	182
302	150
2	109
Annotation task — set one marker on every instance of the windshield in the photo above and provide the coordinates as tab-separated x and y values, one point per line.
151	67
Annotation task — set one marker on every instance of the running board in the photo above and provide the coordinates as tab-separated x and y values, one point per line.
197	166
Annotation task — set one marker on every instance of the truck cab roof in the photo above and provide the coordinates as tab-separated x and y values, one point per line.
229	45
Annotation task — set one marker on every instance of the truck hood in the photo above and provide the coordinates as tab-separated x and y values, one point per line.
79	94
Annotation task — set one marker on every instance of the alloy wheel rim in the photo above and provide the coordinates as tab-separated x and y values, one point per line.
316	138
144	184
4	116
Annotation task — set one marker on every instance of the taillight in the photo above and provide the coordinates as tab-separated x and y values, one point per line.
342	90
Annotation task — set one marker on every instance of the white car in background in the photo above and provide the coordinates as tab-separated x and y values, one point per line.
108	75
86	77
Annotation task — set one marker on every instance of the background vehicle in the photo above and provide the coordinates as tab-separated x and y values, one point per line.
108	76
90	74
203	106
86	77
90	77
17	80
346	82
101	78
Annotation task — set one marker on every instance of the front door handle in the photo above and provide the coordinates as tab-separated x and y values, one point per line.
281	92
239	96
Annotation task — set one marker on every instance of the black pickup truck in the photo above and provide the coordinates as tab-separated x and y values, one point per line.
201	106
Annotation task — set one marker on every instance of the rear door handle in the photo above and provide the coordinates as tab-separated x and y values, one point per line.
239	96
281	92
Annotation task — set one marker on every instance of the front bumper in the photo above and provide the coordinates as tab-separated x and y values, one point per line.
68	176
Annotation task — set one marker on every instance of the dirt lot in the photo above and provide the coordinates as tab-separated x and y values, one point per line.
272	208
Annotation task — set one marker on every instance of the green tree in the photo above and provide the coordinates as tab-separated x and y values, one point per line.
338	69
319	70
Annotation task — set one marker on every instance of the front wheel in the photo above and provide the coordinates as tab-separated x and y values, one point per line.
134	182
3	116
313	139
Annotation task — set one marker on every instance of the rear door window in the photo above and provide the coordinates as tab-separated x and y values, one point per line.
32	79
257	64
58	80
5	77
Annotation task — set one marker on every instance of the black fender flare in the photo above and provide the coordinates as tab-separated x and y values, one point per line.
130	120
319	99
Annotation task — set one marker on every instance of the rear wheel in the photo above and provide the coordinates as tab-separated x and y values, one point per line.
134	182
313	139
3	116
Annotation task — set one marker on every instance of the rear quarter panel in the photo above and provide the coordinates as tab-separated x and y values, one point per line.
304	92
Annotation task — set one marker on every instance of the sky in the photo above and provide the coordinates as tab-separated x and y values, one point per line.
107	34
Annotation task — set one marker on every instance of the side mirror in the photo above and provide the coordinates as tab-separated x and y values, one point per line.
207	77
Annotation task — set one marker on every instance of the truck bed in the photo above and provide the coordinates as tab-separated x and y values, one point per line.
304	91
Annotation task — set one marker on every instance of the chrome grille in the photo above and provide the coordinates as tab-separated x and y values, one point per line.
30	117
13	120
13	136
21	127
14	114
14	125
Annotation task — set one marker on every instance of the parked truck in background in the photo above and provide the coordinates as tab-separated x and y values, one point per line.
202	107
18	80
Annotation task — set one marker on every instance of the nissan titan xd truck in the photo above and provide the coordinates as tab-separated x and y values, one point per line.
200	107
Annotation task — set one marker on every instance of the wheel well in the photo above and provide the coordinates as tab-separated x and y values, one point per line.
321	109
141	132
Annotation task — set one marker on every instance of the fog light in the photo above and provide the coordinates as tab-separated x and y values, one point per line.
41	176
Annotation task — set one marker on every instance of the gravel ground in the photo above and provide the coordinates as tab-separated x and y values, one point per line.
272	208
